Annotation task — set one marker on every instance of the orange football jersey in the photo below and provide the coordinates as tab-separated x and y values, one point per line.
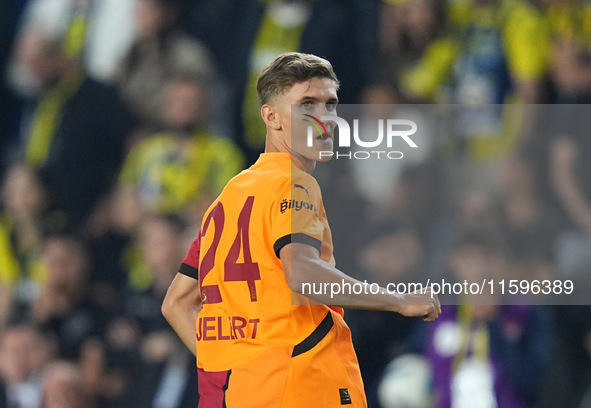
248	306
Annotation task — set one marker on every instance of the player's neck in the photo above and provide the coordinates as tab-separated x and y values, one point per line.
271	146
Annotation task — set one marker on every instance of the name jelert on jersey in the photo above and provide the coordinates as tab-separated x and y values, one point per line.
226	328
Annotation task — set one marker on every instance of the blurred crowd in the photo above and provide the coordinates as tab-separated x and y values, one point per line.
123	119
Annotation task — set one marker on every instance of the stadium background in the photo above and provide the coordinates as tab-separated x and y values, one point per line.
122	119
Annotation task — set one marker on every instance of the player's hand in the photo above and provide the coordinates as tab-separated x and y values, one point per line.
423	304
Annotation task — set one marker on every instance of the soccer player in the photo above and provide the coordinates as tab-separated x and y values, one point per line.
260	342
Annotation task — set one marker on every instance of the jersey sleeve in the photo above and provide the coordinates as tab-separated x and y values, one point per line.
190	265
295	214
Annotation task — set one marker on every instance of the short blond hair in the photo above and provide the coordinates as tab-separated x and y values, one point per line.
288	69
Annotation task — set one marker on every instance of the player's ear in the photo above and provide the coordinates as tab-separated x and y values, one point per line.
269	115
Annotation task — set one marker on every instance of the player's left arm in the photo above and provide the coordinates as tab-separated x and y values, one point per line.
302	264
181	307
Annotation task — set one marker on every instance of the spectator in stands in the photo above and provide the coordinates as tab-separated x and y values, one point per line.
415	47
570	181
569	177
280	30
531	223
503	60
159	53
318	27
389	185
161	244
65	306
168	377
97	32
63	387
568	143
486	354
23	221
168	374
485	53
112	363
261	30
183	167
178	170
138	344
19	344
513	36
569	146
78	129
571	49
